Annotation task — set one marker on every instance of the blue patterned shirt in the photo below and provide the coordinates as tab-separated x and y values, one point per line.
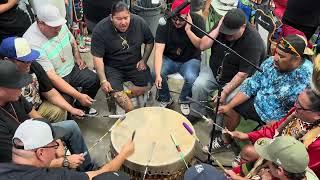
275	92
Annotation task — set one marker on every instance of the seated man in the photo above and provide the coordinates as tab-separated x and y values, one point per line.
233	31
61	59
301	122
282	158
35	146
177	50
40	93
285	158
116	49
15	109
268	96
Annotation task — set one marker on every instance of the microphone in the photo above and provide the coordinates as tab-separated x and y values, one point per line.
175	12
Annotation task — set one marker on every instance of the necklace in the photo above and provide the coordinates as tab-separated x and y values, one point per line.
124	42
15	117
61	56
58	41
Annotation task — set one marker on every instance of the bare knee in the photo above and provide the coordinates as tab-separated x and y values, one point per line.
138	91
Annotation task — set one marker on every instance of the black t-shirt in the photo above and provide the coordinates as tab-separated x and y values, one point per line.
107	42
13	22
45	84
95	10
249	46
306	12
8	125
40	84
10	171
178	45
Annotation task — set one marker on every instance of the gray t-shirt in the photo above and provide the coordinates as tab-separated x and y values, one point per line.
55	53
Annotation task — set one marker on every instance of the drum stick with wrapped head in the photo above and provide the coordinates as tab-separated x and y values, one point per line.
205	118
179	150
153	145
100	139
188	128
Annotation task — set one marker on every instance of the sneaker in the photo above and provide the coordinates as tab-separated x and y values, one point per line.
185	109
236	161
92	112
166	104
218	145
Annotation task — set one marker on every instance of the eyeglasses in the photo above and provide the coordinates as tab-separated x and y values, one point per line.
178	18
55	146
287	45
298	106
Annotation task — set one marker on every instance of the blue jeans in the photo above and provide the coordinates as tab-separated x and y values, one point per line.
202	88
189	70
75	142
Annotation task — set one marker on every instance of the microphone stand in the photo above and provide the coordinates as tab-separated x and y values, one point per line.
219	76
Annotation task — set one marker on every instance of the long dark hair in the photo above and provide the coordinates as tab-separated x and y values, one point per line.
119	7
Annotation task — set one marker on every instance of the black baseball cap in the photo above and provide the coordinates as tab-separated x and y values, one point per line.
203	172
10	77
297	42
232	21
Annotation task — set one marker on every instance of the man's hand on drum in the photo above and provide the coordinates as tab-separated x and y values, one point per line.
106	87
127	149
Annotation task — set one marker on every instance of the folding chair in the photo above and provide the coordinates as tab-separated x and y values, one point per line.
265	26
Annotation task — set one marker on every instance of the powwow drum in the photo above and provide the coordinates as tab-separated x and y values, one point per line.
153	126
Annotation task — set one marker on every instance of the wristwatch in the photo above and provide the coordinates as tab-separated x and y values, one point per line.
65	162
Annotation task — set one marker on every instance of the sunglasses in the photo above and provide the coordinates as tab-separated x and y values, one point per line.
284	43
178	18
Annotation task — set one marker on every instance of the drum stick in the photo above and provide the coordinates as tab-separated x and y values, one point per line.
179	150
205	118
188	128
199	103
100	139
153	145
115	116
133	135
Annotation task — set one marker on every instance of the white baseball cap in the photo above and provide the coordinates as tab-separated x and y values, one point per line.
36	133
50	15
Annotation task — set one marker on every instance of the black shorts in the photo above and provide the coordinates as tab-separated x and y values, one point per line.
248	111
117	77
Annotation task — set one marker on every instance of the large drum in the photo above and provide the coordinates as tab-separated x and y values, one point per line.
154	125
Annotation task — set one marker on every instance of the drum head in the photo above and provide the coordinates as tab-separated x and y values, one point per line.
154	124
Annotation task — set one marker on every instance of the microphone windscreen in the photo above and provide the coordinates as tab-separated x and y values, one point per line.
162	21
187	127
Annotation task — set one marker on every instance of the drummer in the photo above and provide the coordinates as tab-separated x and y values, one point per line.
116	49
284	157
35	146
